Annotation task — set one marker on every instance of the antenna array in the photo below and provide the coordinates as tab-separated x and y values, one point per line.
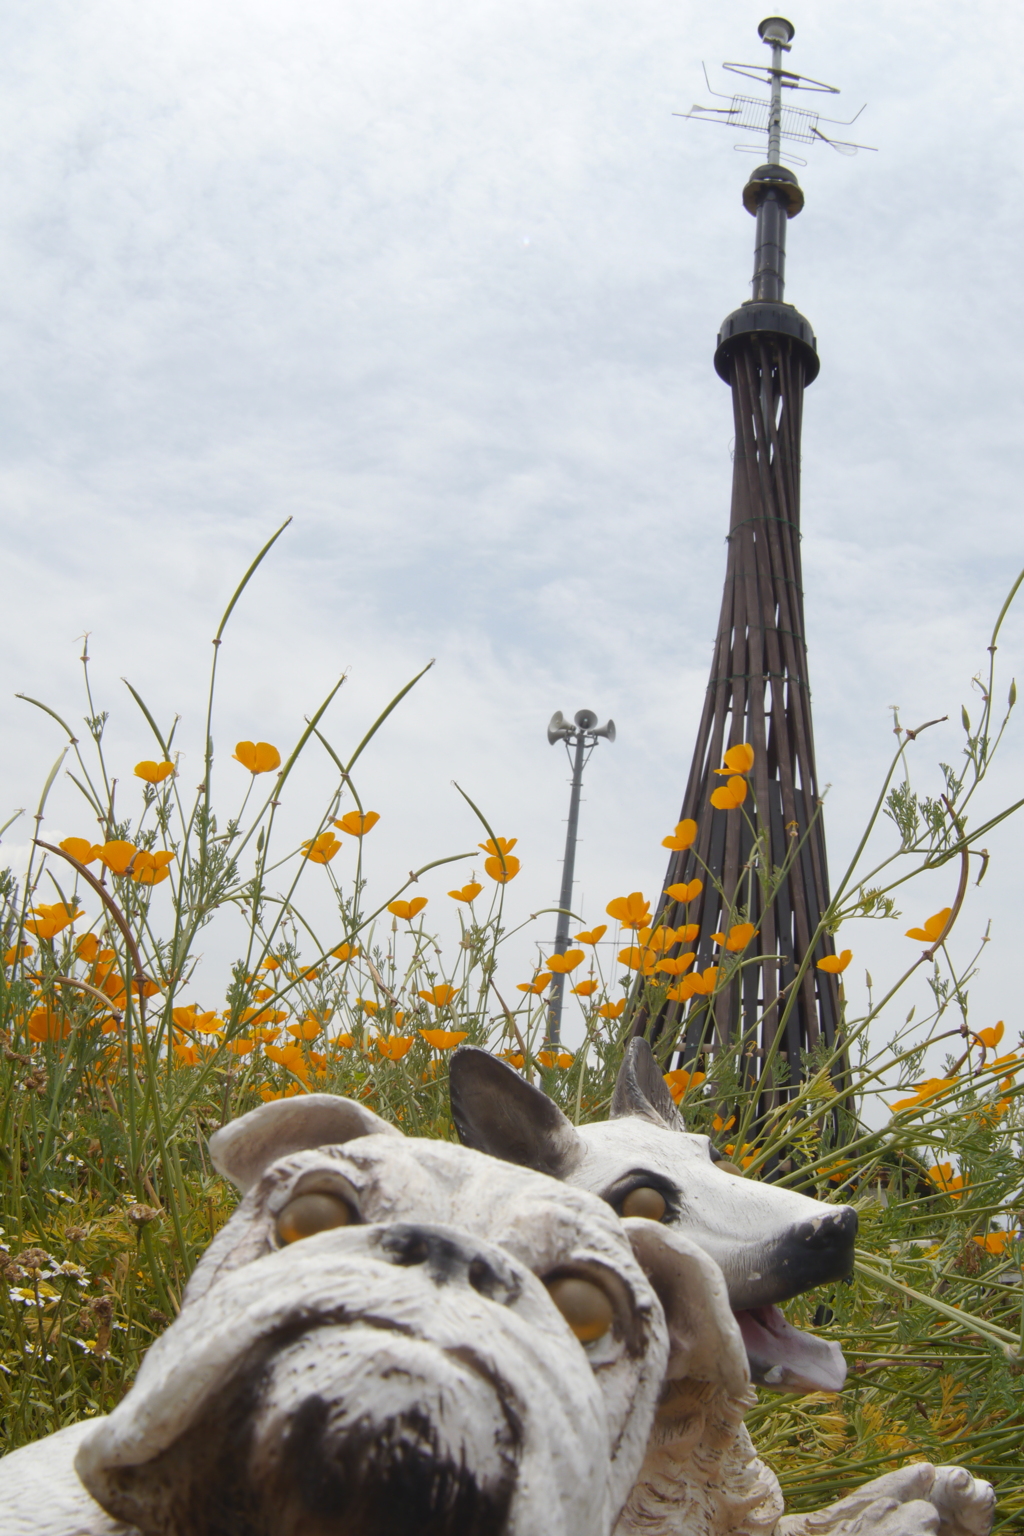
754	114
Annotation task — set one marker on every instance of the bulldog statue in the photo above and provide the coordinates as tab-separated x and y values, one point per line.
391	1337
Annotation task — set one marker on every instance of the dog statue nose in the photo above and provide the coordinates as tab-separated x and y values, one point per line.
835	1230
449	1261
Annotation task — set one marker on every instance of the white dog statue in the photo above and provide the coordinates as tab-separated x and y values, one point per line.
702	1476
391	1337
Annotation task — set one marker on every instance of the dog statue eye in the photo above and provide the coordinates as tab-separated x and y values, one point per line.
585	1306
311	1213
645	1201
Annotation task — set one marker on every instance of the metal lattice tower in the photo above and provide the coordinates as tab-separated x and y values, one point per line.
758	691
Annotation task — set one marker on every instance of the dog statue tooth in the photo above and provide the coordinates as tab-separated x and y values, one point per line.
701	1476
381	1339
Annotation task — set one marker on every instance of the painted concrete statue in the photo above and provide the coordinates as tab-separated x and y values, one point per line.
391	1337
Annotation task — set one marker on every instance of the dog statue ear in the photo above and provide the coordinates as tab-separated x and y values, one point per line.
497	1111
705	1343
641	1090
243	1148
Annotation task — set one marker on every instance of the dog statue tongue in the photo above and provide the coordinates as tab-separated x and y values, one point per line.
786	1359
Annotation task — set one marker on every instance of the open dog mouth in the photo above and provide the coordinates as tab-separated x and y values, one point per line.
787	1359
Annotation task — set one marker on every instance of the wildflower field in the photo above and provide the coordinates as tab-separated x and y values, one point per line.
113	1072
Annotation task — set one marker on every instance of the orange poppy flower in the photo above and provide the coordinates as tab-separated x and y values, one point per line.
686	891
289	1056
49	920
677	966
514	1058
498	845
358	823
153	773
681	1080
468	893
740	935
187	1054
931	1088
150	868
257	756
46	1024
444	1039
394	1047
684	836
265	1036
592	936
440	995
585	989
345	951
241	1047
990	1038
81	849
538	984
561	1059
321	849
563	964
266	1094
719	1124
738	759
200	1023
638	959
950	1183
933	927
835	964
308	1029
502	869
117	855
613	1010
632	911
728	796
21	952
994	1242
343	1042
367	1005
707	981
407	910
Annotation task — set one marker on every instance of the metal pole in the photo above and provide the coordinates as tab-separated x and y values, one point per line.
565	896
775	112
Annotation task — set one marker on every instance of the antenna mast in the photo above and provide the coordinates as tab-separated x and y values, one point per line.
758	690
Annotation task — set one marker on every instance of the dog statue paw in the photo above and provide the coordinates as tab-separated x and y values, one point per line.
917	1500
390	1334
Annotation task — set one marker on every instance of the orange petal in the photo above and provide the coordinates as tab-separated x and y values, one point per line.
81	849
563	964
153	773
502	869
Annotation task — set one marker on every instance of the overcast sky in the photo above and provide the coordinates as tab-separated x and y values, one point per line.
441	282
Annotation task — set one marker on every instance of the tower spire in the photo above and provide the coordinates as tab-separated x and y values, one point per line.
758	691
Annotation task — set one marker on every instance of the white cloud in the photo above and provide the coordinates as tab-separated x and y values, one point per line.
442	283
